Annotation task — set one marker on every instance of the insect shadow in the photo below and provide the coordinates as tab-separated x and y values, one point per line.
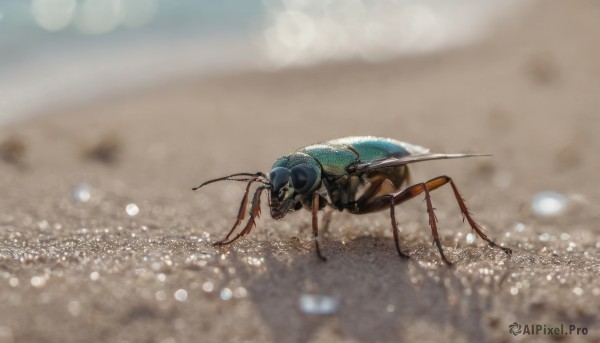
379	299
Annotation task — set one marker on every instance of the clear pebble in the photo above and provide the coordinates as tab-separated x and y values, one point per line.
132	209
514	290
38	281
471	238
94	276
578	291
318	304
255	261
544	237
161	277
181	295
548	204
226	294
208	287
82	192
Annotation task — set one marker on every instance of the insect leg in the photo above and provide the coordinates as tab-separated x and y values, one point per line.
442	180
383	202
254	213
315	225
395	227
474	225
241	214
380	203
433	223
370	197
328	211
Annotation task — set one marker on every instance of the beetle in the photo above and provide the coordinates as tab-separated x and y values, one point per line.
360	174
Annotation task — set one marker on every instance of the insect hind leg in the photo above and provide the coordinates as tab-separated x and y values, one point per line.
395	230
383	202
474	225
390	200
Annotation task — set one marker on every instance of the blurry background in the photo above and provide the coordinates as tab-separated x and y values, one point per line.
68	51
112	110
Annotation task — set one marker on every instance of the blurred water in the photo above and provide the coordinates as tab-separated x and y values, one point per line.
55	52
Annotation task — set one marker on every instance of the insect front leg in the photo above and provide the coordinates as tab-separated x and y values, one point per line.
315	225
241	215
254	213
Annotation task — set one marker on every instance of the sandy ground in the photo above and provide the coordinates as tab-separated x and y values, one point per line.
75	270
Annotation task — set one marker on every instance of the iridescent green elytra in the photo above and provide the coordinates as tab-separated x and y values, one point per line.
357	174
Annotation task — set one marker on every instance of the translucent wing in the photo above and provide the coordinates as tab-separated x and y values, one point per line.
407	159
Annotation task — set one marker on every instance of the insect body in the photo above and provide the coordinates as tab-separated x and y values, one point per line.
356	174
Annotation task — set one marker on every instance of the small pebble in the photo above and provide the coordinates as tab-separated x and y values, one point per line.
471	238
547	204
226	294
181	295
132	209
82	192
318	304
208	287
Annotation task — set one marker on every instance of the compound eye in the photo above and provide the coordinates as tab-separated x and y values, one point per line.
303	178
279	177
